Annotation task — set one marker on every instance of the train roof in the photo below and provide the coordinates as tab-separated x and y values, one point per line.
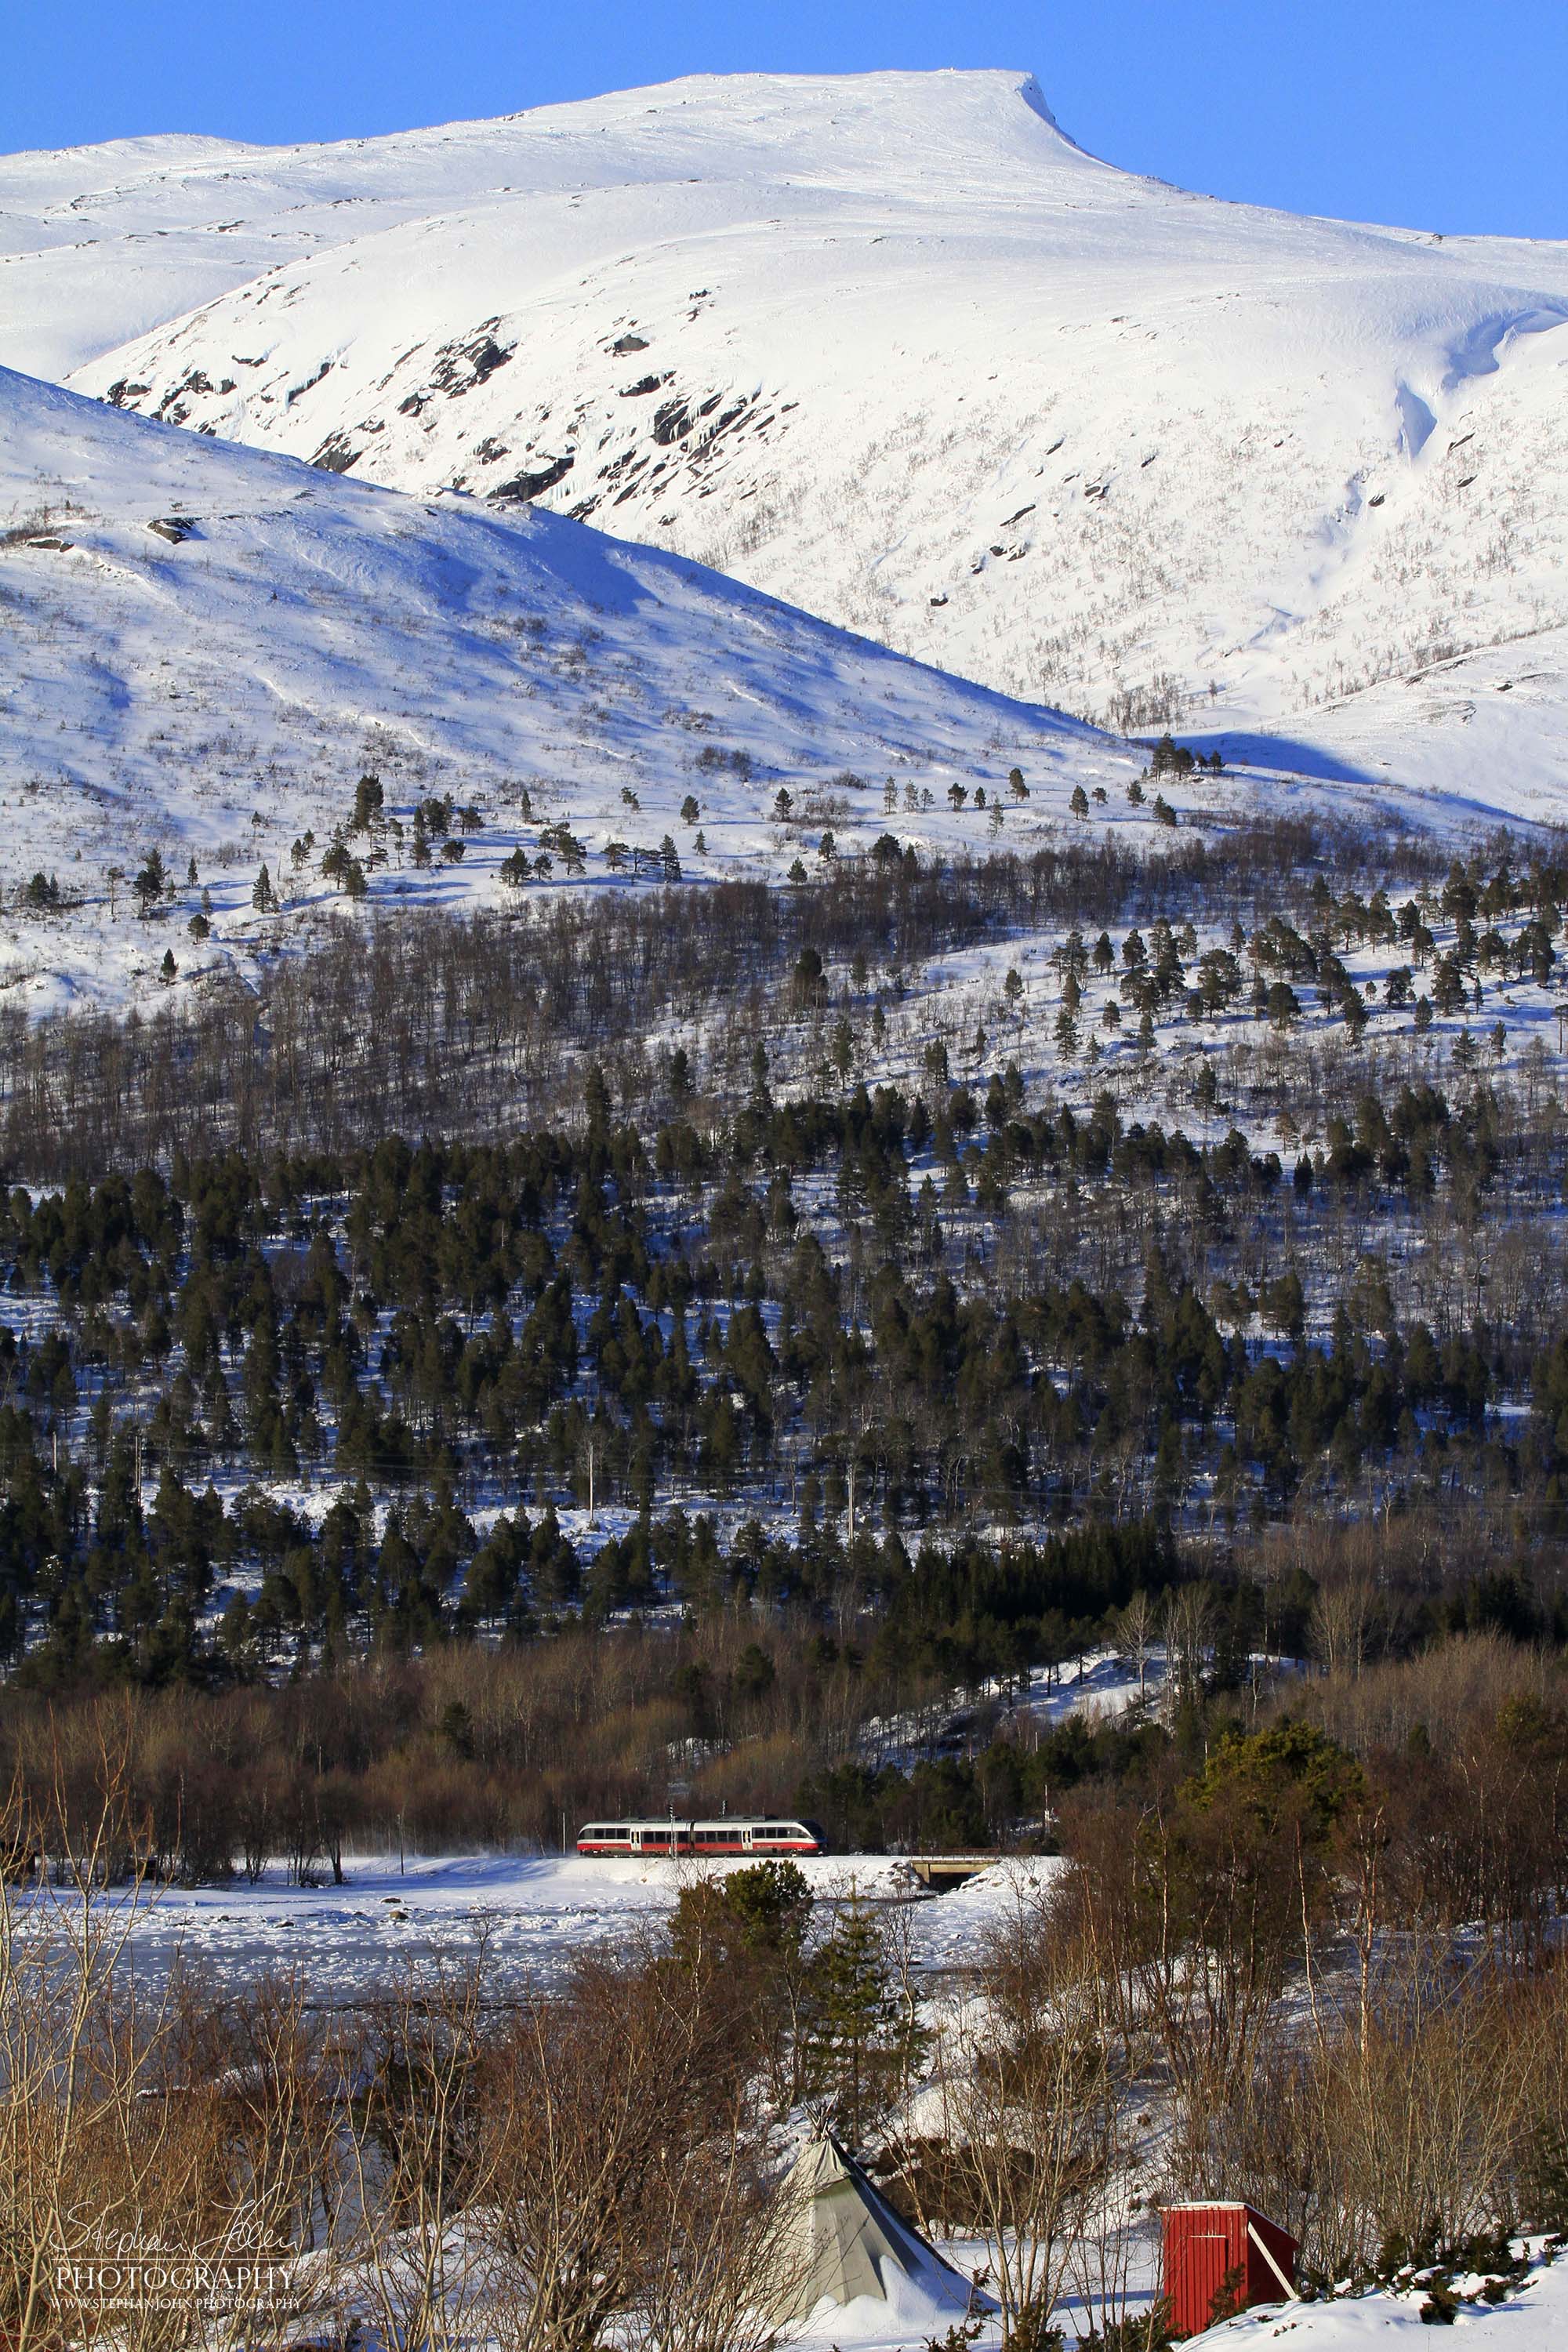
707	1821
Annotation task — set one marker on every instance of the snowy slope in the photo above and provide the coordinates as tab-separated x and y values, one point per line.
214	686
1532	2318
892	346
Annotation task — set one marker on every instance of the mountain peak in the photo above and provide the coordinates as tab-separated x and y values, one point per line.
887	344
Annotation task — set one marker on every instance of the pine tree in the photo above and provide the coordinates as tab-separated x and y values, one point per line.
151	883
369	802
1448	988
263	898
862	2040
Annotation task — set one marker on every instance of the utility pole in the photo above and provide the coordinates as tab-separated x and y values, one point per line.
676	1789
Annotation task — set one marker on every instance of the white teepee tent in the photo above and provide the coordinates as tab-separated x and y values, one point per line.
842	2240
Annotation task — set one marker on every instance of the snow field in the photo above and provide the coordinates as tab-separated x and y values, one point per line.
531	1915
1533	2318
890	346
216	697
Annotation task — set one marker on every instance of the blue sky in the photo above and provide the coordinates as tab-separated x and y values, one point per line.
1428	112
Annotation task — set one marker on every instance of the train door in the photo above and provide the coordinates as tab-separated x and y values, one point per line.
636	1840
746	1839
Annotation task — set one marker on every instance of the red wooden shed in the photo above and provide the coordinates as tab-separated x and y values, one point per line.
1220	2259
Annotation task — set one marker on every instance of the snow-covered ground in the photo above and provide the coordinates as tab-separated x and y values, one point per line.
1097	1686
531	1915
892	346
206	645
1532	2318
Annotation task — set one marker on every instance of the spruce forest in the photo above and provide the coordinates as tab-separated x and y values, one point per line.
709	1338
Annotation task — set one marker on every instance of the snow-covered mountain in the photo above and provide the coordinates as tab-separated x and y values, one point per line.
894	347
202	646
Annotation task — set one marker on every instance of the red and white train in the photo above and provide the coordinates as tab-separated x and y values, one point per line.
736	1834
